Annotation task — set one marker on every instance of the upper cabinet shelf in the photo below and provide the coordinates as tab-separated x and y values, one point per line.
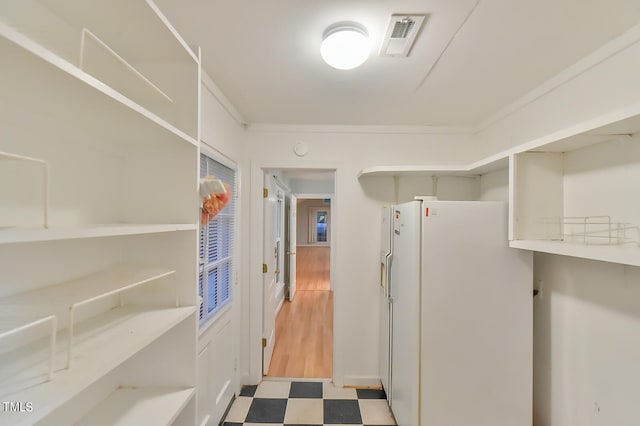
478	168
578	195
137	53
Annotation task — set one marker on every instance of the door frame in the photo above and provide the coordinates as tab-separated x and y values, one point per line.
254	300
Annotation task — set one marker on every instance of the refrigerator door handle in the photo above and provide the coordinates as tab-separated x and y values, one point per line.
389	261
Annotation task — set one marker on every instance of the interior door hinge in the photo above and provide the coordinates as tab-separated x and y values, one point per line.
264	268
264	342
265	192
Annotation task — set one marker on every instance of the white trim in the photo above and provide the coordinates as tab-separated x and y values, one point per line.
218	156
372	129
210	322
314	196
297	379
223	100
362	381
255	287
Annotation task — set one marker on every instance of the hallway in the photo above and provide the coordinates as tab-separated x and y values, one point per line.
304	327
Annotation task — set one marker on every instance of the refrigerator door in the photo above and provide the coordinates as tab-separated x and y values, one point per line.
385	306
405	322
476	318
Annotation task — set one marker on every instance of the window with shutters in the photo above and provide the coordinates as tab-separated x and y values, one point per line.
217	246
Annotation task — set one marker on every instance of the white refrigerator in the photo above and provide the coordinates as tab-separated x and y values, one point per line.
456	331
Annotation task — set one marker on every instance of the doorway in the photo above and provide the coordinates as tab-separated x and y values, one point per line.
302	337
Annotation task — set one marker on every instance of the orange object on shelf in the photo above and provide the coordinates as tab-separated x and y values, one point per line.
212	204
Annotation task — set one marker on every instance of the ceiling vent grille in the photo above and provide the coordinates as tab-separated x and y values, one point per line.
401	34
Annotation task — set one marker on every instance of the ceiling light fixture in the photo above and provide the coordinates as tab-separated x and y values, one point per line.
345	45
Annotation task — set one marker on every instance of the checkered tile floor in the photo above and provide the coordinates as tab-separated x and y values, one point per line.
276	403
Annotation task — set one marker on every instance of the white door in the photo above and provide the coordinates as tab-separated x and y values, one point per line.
319	225
291	250
269	279
404	293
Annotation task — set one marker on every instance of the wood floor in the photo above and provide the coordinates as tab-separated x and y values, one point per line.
304	327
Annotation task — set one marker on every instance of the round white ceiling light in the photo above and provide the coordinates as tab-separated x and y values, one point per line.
345	45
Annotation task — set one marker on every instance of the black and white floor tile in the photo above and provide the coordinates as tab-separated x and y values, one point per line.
278	403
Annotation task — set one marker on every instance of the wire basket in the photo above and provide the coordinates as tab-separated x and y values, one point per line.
590	230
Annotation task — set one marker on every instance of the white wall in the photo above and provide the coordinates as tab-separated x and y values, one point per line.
310	186
586	342
218	346
587	323
356	220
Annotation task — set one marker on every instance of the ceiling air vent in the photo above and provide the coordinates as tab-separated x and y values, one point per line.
401	34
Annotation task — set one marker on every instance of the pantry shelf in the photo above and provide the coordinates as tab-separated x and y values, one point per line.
138	406
45	168
102	344
27	235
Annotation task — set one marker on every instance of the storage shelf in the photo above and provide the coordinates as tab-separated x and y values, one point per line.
28	235
103	343
104	101
45	168
99	60
24	308
478	168
139	406
623	254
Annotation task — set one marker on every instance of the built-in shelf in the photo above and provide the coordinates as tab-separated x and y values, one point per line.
576	194
623	254
140	56
99	60
28	235
139	406
478	168
71	79
26	307
104	94
23	312
45	183
102	344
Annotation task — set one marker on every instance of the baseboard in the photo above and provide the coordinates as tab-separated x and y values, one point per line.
280	296
362	381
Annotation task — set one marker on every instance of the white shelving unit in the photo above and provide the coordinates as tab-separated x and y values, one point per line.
104	94
26	235
478	168
138	406
470	182
588	170
567	190
45	181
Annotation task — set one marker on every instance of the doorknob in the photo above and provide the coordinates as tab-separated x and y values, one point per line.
289	253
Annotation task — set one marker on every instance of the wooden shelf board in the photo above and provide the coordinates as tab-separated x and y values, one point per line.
139	406
102	344
624	254
26	235
128	112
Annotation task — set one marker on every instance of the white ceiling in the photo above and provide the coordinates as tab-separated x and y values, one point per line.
472	57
